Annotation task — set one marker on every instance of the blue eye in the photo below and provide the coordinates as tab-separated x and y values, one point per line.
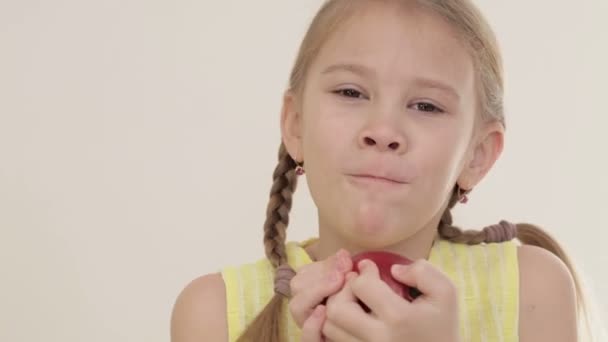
427	107
349	92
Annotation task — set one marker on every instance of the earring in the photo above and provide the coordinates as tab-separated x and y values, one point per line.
462	195
299	168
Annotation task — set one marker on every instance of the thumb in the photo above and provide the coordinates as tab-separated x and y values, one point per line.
312	327
423	276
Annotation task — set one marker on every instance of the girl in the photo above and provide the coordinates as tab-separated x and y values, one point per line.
395	113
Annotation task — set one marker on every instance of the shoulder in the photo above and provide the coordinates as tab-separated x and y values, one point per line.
547	297
199	313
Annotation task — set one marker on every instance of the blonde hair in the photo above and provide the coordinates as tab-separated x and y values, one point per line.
479	39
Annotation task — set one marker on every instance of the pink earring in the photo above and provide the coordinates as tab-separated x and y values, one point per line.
300	169
464	199
462	195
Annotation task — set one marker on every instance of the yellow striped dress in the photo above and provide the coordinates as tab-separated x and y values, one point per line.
486	276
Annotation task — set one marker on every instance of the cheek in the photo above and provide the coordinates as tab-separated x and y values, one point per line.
328	134
441	163
328	139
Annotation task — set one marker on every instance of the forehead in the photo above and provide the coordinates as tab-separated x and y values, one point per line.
399	43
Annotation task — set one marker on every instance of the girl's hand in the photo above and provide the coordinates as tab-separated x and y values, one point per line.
432	317
311	285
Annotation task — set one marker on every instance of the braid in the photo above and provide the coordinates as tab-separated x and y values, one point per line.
279	205
267	324
452	233
527	234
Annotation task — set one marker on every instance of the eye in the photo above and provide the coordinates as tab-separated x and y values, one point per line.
427	107
349	92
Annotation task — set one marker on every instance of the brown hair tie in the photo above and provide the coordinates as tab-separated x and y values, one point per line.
282	277
501	232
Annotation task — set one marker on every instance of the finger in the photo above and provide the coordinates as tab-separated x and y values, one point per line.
302	304
375	293
333	332
312	327
340	261
310	286
345	294
344	311
311	274
367	266
434	284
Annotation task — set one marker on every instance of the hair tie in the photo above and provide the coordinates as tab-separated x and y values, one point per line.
282	278
501	232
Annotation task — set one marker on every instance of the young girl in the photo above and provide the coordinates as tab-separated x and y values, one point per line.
395	113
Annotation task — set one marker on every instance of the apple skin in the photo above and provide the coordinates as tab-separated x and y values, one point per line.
384	261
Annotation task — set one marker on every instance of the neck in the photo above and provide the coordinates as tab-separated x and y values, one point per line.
416	246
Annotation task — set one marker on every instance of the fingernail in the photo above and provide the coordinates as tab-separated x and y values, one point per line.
363	264
342	264
342	261
398	269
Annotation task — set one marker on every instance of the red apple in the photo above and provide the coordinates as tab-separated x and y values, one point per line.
384	261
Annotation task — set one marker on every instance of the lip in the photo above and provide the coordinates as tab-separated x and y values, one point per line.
376	179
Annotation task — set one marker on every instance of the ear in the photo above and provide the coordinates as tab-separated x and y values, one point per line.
291	126
486	148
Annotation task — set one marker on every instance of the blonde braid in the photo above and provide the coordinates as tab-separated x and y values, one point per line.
267	324
527	233
279	206
504	231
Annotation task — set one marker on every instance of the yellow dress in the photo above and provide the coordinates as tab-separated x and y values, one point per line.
486	276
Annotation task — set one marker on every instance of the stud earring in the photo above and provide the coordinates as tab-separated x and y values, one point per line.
462	195
300	169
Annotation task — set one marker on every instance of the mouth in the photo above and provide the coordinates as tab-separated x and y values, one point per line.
376	180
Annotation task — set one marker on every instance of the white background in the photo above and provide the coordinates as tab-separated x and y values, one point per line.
138	138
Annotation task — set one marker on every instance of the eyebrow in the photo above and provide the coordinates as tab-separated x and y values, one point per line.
365	71
354	68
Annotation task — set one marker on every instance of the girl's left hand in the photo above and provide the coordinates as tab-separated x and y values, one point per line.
432	317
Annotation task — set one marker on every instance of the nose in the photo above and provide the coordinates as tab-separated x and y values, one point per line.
384	138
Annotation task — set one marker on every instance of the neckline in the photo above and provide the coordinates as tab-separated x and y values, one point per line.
307	259
301	248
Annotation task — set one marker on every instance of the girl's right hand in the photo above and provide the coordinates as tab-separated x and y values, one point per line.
313	283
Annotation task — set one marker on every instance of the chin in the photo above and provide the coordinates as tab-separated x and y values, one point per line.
373	218
371	242
371	223
374	236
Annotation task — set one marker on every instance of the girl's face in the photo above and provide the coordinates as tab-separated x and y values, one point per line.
386	125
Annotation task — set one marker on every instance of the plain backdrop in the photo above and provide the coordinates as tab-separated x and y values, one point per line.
138	138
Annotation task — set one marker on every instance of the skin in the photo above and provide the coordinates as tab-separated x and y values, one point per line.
547	313
387	112
378	116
